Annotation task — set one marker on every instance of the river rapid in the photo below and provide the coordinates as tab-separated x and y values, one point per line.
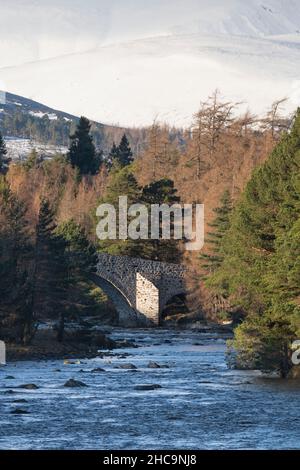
200	404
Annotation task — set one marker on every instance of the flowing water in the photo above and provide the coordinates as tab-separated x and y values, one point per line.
200	405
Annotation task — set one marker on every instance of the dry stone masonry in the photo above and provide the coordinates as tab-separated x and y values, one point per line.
139	289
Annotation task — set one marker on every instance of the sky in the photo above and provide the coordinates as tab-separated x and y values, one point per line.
131	61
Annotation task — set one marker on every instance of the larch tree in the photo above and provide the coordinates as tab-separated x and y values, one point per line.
209	126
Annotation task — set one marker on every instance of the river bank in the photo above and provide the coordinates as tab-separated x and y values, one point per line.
88	340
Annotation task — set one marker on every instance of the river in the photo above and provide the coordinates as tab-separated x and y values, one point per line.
201	403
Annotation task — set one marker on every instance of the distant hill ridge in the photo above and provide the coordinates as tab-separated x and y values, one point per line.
10	102
28	124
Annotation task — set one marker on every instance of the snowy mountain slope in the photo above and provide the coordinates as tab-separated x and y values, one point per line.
20	108
133	83
155	59
9	103
31	30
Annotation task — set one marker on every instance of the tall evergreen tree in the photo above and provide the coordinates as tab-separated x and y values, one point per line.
15	293
125	155
162	192
81	254
4	160
121	156
80	260
261	267
122	183
113	154
220	225
50	279
82	153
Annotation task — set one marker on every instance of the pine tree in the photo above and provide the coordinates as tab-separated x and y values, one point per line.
220	225
162	192
15	293
4	160
122	183
50	279
261	267
82	153
81	254
82	260
122	155
113	156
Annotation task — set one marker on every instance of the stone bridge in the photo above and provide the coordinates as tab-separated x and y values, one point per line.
138	288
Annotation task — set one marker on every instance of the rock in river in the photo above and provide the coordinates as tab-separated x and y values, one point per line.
147	387
19	411
29	386
153	365
126	366
74	383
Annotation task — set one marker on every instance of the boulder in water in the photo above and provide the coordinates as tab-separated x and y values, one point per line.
153	365
19	411
29	386
147	387
97	369
74	383
126	366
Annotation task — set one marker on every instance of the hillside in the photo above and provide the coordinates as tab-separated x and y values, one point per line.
27	124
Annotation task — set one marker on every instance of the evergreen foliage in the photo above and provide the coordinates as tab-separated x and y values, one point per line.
124	154
82	153
123	183
80	253
121	155
260	272
4	160
50	271
163	192
15	292
220	225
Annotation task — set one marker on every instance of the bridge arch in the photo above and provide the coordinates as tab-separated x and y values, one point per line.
138	288
126	313
175	307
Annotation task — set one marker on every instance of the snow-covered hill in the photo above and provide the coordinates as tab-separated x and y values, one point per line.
9	103
129	62
17	108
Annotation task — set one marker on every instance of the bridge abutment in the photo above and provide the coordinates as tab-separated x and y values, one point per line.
147	299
